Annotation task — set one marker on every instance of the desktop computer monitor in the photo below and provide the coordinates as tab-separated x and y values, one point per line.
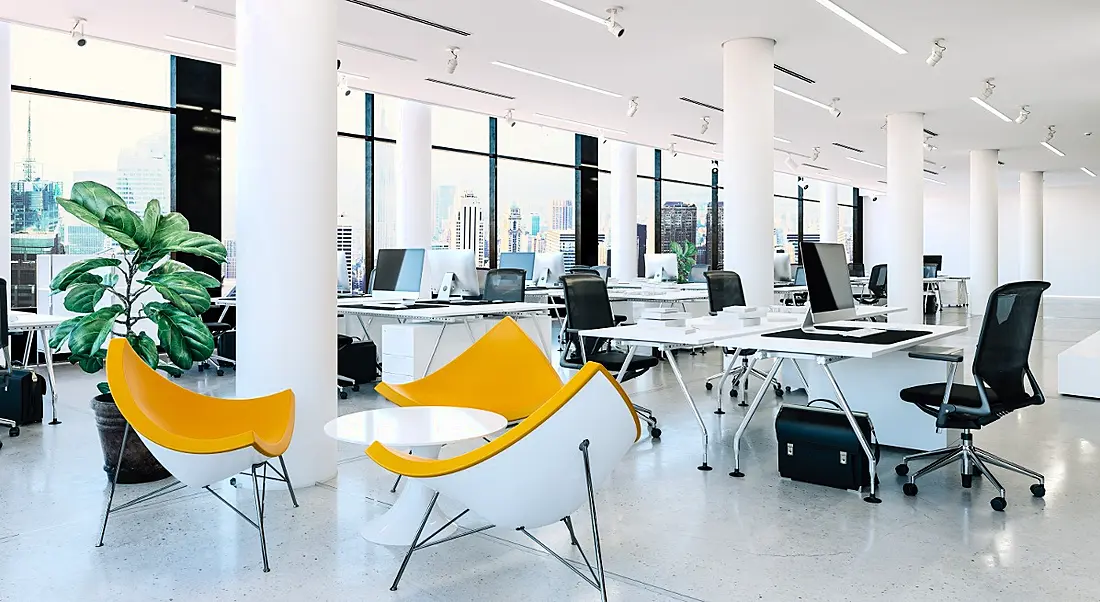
930	270
454	272
656	262
936	260
549	268
827	280
781	266
520	261
398	272
857	270
800	276
343	267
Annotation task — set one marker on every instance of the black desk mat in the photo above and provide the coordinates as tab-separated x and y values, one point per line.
886	337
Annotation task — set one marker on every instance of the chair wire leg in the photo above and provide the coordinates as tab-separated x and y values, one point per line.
602	581
936	453
114	483
289	486
260	514
1008	465
572	536
982	468
398	481
938	464
415	541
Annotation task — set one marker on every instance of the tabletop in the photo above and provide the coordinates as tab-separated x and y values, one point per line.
671	295
852	348
21	320
388	310
415	426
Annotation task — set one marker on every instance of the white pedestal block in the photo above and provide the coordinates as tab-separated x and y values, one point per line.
1078	367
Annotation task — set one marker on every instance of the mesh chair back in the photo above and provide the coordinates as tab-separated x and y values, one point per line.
586	302
877	282
1005	341
4	315
506	284
589	271
856	270
698	272
724	290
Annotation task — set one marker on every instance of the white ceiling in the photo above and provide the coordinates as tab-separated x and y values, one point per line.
1043	54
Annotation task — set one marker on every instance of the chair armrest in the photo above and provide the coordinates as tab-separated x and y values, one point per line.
939	354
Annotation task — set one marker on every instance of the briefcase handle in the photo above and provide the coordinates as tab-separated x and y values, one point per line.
874	437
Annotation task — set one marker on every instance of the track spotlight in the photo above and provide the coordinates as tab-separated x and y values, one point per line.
1025	112
672	149
77	32
835	112
815	154
632	107
791	163
613	26
342	86
1047	142
989	87
928	146
510	119
937	52
706	125
452	63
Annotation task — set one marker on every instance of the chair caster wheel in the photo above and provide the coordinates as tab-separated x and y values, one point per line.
733	392
655	432
343	394
233	481
1038	490
14	432
909	489
967	481
220	372
788	389
998	504
202	367
709	386
355	388
902	469
778	392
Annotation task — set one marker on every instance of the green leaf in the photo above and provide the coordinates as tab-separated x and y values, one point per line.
89	202
195	243
145	347
171	370
185	290
148	259
63	330
110	280
104	389
169	267
198	279
123	226
93	363
170	223
88	336
83	298
184	337
149	221
70	274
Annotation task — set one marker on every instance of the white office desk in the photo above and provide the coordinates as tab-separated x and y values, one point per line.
827	353
43	324
670	296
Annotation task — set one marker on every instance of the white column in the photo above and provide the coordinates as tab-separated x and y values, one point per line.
748	197
286	218
905	215
830	214
414	177
624	210
983	228
5	152
1031	225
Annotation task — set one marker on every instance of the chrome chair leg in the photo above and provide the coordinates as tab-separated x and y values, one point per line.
1008	465
415	542
929	454
988	475
289	486
938	464
602	581
114	484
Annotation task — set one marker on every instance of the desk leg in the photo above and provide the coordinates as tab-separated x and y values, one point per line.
843	403
364	326
748	416
428	366
45	340
726	375
745	382
687	394
626	363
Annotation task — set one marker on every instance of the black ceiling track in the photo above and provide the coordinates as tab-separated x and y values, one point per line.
701	104
699	140
930	133
468	88
935	173
815	166
390	11
845	146
794	74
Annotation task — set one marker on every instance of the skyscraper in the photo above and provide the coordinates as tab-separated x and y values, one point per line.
536	222
441	211
515	230
715	233
144	174
679	223
345	245
792	242
469	230
33	199
565	242
562	215
231	259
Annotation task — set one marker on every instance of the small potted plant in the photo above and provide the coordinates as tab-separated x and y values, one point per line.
685	259
112	295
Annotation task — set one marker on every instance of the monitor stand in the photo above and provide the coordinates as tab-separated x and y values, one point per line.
544	279
447	287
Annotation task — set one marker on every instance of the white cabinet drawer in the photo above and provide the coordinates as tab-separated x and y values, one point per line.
396	379
409	339
399	364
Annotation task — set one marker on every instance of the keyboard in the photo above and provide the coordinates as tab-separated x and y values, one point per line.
861	332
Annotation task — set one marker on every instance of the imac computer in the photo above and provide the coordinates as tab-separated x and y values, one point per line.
456	273
549	268
830	290
662	267
519	261
936	260
781	266
343	267
398	273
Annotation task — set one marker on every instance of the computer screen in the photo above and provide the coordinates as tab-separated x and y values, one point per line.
399	270
781	266
520	261
800	276
936	260
930	270
857	270
827	280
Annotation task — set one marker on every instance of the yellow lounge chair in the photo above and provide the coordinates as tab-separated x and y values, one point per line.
200	440
542	470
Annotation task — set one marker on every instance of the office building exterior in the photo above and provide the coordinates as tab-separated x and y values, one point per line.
515	230
469	230
679	223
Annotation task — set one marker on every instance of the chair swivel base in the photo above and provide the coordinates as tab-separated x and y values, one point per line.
973	461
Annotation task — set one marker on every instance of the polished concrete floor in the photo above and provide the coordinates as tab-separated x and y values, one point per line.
670	532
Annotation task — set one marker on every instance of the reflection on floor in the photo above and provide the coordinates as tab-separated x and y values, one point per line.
670	532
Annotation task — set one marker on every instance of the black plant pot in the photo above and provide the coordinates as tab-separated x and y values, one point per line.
138	464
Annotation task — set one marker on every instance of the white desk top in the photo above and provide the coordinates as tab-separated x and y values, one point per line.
671	295
25	320
445	312
850	348
417	426
340	302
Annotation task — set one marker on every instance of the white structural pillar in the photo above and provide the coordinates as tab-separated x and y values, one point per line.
905	215
5	151
1031	225
748	69
983	228
830	214
414	177
286	218
624	211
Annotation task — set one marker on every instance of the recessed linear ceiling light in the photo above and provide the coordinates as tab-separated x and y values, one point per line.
375	51
213	11
580	123
401	15
557	79
865	162
783	140
699	140
985	105
576	11
469	89
1047	142
1088	171
865	28
793	94
846	147
935	181
198	43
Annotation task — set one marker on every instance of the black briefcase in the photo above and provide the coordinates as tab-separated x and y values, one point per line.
21	394
356	360
817	445
227	345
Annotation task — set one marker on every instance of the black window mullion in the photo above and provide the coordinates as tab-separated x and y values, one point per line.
656	203
801	225
368	197
714	239
494	232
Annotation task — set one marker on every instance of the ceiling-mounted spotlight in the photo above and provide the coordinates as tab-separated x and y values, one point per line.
835	112
672	149
1025	112
791	163
612	24
632	106
937	52
705	126
342	87
452	63
928	146
1047	142
814	155
989	87
510	119
981	101
77	32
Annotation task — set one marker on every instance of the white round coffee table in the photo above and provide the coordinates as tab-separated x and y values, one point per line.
424	430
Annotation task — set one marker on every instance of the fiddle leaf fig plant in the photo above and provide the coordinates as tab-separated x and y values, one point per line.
107	291
685	259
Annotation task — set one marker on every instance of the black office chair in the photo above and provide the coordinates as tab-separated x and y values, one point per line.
506	284
876	287
724	290
1000	368
13	426
218	329
587	306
